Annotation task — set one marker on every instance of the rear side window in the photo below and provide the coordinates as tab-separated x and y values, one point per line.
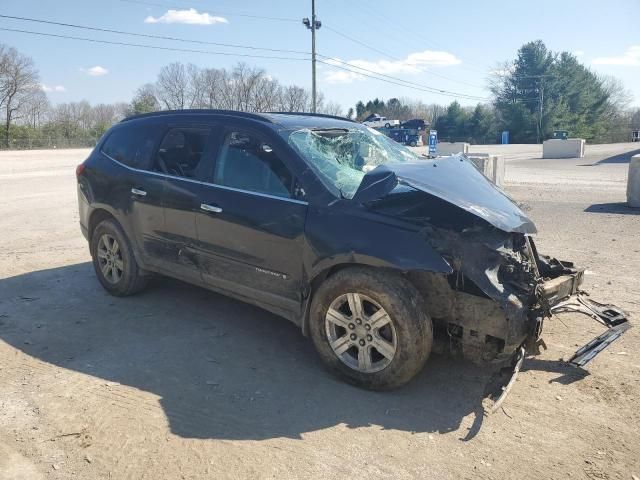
132	145
181	151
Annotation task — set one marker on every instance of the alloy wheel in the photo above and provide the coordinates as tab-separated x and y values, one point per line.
361	333
110	258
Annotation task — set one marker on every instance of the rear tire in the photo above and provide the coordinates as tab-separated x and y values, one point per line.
385	342
114	262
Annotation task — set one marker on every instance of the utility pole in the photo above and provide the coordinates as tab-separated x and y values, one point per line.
540	134
313	25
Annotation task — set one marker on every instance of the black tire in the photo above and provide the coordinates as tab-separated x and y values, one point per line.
387	125
405	307
132	278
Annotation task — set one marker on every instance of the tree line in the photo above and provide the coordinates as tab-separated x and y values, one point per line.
242	88
535	94
29	120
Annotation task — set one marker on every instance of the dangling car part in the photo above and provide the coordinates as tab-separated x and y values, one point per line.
608	315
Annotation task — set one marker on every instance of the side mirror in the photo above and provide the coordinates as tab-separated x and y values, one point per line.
375	184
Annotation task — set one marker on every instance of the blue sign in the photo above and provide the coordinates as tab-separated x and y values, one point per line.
505	137
433	141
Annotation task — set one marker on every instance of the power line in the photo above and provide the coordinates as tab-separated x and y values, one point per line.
155	47
427	89
377	76
229	14
121	32
402	37
433	89
383	19
428	72
360	43
159	37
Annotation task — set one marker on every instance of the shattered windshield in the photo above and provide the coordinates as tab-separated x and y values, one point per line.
341	157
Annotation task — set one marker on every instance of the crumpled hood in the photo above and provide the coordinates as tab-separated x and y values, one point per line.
456	180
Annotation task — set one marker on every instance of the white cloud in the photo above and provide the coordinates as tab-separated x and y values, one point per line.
188	17
578	53
414	63
630	58
52	88
96	71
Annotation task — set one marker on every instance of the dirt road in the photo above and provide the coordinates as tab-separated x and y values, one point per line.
179	382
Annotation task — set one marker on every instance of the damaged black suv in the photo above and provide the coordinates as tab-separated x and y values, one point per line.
371	249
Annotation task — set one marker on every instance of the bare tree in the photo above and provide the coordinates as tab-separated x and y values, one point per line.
19	83
36	109
618	117
104	115
195	87
172	86
246	80
213	83
332	108
294	99
265	95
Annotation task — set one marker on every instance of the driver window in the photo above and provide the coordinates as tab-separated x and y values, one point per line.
247	163
181	151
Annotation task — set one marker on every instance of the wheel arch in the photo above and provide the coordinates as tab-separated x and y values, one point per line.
413	276
98	216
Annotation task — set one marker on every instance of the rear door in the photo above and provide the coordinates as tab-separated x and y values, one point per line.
134	192
250	224
184	152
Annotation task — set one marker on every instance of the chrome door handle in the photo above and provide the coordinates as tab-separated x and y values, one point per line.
137	191
210	208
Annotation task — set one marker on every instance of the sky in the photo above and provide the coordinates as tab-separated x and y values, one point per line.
448	46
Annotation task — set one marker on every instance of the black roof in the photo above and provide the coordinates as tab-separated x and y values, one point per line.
284	119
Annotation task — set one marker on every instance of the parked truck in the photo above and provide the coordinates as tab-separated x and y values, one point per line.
376	121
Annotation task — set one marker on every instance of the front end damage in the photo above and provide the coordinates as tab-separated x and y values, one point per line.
502	291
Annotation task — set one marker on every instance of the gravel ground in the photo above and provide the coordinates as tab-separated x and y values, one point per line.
178	382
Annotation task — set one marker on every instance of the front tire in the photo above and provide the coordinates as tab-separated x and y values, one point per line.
370	327
114	262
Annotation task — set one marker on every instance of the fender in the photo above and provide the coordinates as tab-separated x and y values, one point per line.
337	236
343	234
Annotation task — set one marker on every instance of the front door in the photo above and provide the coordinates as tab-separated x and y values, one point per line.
250	226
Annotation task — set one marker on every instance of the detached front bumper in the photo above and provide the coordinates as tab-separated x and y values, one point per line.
563	294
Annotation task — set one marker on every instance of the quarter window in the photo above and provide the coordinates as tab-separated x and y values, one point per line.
247	163
132	145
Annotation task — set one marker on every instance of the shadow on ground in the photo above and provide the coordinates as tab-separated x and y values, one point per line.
615	207
223	369
620	158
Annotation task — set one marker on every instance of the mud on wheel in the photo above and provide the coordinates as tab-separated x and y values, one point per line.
113	260
370	327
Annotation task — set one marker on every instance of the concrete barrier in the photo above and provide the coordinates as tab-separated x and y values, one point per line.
492	166
570	148
451	148
633	182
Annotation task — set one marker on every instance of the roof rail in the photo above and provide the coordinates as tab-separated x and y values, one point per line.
255	116
309	114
